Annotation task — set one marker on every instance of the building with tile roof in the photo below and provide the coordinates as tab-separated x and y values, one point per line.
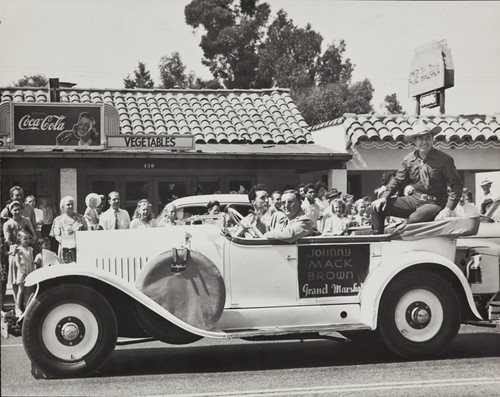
147	143
377	144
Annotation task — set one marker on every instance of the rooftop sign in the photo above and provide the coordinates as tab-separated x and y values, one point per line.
431	69
57	125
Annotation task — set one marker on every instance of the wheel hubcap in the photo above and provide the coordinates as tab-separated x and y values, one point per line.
418	315
70	331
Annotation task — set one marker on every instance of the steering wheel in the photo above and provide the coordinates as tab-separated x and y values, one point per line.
238	219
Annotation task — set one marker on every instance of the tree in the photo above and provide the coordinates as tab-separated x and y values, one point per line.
233	32
328	102
332	67
36	80
289	57
173	75
239	54
172	71
320	83
392	104
142	78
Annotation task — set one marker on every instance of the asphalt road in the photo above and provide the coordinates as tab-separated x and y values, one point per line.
239	368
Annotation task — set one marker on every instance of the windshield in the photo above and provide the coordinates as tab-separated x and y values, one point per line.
192	210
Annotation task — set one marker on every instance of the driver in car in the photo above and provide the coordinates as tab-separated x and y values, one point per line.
262	219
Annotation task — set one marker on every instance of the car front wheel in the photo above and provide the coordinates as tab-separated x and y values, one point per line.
69	331
419	315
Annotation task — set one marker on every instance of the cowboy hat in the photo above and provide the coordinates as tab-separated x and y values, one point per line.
92	198
421	127
485	182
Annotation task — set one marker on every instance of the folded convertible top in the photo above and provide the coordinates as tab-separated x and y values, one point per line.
449	227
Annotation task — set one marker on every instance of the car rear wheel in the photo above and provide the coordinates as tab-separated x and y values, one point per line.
69	331
419	315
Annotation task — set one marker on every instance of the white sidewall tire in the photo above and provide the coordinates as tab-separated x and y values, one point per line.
437	318
436	297
76	308
74	352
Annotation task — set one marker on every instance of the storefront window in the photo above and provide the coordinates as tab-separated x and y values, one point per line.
103	187
169	191
207	187
240	186
29	183
135	191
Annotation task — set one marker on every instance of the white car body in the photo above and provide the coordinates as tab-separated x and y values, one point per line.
316	285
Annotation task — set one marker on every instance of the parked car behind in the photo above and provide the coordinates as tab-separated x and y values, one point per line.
486	245
190	206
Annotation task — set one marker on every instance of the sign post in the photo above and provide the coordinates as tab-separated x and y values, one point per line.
431	73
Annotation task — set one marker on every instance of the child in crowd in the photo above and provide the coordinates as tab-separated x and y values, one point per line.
22	265
93	202
43	244
362	218
337	222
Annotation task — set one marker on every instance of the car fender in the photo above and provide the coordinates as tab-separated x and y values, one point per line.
69	270
483	246
379	278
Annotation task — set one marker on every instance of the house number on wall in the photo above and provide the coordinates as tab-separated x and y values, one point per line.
149	165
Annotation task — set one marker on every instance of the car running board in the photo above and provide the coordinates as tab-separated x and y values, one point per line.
275	331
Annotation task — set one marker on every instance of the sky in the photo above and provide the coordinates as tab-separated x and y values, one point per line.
97	43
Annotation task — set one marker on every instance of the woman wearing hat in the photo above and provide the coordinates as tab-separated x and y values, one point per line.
430	172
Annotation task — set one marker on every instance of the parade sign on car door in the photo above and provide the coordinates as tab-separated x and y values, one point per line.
57	125
332	270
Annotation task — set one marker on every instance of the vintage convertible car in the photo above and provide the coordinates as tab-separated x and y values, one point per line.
182	283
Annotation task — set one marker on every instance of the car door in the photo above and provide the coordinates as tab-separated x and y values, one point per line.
262	273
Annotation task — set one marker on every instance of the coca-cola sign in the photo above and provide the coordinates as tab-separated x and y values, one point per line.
57	125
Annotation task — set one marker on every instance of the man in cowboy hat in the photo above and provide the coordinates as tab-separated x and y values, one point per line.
431	172
487	200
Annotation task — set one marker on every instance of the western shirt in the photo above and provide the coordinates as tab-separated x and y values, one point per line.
442	174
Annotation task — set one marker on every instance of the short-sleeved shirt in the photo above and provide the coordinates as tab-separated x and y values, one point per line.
442	174
66	225
11	227
311	210
26	210
335	225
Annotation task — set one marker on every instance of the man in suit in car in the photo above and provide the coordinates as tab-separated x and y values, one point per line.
296	224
